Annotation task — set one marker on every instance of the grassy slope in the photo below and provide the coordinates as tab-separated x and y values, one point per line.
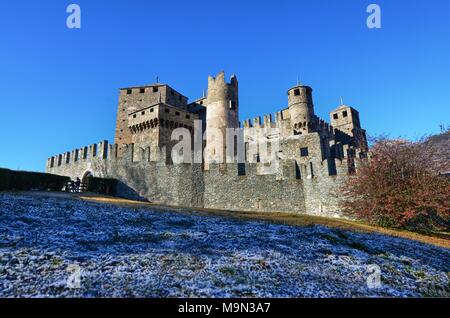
443	239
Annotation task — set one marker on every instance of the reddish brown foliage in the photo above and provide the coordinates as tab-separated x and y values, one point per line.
399	184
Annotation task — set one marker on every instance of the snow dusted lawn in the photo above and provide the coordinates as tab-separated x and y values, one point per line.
137	252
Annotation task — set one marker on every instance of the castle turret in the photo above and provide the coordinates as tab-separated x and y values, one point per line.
345	119
301	109
222	105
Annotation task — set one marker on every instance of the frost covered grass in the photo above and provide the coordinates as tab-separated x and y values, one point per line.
435	238
140	252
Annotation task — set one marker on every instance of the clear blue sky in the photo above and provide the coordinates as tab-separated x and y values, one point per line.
59	87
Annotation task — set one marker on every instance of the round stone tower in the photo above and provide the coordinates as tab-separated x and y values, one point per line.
222	105
301	109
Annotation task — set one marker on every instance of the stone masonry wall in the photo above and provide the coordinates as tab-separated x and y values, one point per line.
230	186
226	189
180	185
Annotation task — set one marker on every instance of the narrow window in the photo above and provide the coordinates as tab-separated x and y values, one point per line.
241	169
304	152
344	113
68	158
52	162
59	160
129	91
94	151
155	89
298	174
335	116
297	92
132	152
179	98
188	117
245	151
142	90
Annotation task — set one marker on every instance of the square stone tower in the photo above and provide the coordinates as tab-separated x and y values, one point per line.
135	102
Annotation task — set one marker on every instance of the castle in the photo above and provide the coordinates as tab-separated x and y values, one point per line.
302	174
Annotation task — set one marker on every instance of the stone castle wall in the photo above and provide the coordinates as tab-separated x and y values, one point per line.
244	187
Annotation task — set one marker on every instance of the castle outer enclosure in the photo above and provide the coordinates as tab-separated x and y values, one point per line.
301	170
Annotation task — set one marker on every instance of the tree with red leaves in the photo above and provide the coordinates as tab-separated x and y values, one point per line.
403	184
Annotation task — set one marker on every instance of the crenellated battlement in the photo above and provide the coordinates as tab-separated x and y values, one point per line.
324	126
265	121
101	150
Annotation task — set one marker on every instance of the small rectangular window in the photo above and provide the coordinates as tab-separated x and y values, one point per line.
151	110
129	91
344	113
142	90
241	169
297	92
177	113
134	116
155	89
166	110
143	113
188	117
335	116
304	152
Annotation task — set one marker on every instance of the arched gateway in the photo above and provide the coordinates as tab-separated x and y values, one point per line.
85	177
